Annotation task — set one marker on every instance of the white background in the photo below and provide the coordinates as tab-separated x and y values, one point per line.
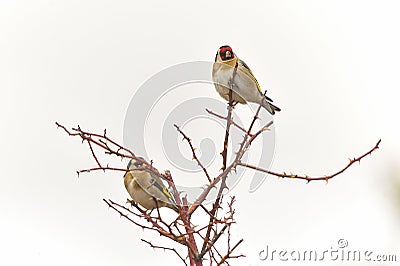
333	67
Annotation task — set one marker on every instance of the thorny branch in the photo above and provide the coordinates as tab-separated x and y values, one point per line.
154	221
226	118
239	154
308	178
165	248
189	141
180	229
206	244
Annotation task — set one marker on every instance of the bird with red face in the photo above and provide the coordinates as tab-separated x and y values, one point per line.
230	71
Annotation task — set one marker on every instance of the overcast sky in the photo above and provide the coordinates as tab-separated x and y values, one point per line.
332	66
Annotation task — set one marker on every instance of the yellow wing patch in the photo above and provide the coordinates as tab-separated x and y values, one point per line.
166	192
242	63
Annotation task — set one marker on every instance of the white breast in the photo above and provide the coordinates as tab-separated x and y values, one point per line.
140	196
244	85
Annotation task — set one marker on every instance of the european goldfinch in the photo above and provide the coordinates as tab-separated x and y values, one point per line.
245	86
146	188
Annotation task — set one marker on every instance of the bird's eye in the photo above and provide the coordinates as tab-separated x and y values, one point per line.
138	164
228	54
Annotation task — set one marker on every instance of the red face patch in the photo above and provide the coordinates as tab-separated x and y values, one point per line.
226	52
223	49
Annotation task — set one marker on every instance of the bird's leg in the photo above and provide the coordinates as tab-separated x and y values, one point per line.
157	207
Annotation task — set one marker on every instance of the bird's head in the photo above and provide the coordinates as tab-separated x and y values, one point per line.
135	163
224	53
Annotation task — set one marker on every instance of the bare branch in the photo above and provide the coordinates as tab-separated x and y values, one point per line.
155	226
225	118
308	178
181	230
189	141
228	255
102	168
165	248
83	135
224	154
239	154
212	242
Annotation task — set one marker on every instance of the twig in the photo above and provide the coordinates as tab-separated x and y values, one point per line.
239	154
308	178
102	168
228	255
93	154
102	143
227	129
225	118
165	248
224	154
212	242
189	141
83	134
155	225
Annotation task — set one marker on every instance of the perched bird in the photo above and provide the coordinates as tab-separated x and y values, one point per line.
146	188
245	86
